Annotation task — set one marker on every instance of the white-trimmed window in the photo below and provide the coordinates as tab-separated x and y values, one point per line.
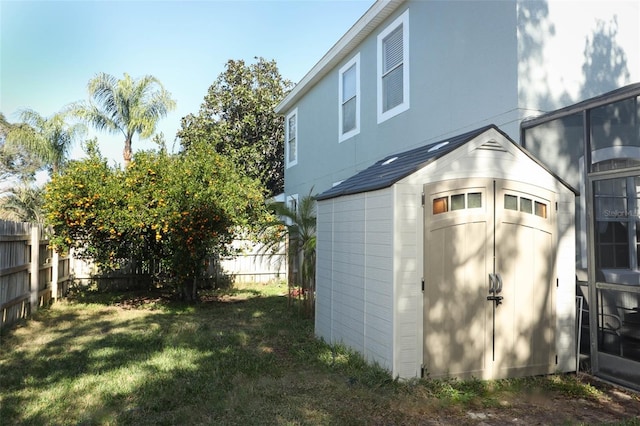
292	204
291	138
393	68
349	97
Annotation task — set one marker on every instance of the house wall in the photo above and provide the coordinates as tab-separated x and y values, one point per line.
448	47
471	63
354	300
570	51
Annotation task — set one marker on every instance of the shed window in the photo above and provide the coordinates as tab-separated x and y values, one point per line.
526	205
440	205
457	202
474	200
464	201
510	202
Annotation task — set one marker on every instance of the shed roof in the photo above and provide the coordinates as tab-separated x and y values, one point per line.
392	168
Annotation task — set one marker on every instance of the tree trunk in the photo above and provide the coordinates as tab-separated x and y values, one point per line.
127	153
189	292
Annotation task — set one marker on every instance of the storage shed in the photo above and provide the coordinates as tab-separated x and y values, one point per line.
451	259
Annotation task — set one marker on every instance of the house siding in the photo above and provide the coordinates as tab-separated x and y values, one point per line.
471	63
437	77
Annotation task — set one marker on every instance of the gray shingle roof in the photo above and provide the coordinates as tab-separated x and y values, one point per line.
392	168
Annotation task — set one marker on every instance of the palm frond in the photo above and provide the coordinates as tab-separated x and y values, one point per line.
127	105
23	204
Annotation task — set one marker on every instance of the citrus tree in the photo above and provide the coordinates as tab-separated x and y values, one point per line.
168	210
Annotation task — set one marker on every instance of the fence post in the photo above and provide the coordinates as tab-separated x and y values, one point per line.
34	268
55	265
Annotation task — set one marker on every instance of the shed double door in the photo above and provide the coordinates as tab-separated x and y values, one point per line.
489	308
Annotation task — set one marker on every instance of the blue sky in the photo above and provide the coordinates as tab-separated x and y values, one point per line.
49	50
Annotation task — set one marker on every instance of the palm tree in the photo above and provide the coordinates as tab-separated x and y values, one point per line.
16	163
300	225
48	138
22	204
125	106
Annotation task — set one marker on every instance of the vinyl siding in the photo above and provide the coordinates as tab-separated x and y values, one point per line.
371	258
566	291
408	230
355	280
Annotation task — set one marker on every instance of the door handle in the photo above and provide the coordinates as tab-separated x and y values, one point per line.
495	287
492	283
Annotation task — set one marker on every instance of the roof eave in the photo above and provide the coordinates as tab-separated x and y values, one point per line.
377	13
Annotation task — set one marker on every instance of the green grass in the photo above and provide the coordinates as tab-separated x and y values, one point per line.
241	357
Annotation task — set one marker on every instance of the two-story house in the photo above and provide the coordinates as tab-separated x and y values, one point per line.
408	73
411	73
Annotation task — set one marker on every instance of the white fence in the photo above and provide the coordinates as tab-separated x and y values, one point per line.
252	264
31	274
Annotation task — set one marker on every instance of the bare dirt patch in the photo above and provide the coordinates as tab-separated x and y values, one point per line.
610	404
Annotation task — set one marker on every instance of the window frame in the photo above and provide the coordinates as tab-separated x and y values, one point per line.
292	203
353	62
287	138
402	20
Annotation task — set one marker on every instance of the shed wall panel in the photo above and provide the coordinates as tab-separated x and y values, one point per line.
324	270
379	277
373	260
566	291
408	257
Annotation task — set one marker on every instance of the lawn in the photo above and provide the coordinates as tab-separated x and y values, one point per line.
244	357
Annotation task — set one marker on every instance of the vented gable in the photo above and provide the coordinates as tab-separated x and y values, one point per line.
492	145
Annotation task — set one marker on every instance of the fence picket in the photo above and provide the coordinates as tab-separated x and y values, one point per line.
27	279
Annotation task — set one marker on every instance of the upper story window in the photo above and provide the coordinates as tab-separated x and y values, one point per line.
393	68
349	108
291	138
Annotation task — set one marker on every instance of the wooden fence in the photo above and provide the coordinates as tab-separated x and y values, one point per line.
31	274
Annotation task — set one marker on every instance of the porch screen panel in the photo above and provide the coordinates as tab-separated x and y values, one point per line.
615	135
612	225
619	322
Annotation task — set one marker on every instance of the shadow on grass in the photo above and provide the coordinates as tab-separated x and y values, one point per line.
108	358
242	357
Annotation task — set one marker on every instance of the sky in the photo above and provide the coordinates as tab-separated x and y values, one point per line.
49	50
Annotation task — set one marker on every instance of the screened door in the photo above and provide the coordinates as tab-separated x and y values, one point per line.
489	279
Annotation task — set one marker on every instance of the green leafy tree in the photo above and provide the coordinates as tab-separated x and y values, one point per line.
168	210
127	106
48	138
238	118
